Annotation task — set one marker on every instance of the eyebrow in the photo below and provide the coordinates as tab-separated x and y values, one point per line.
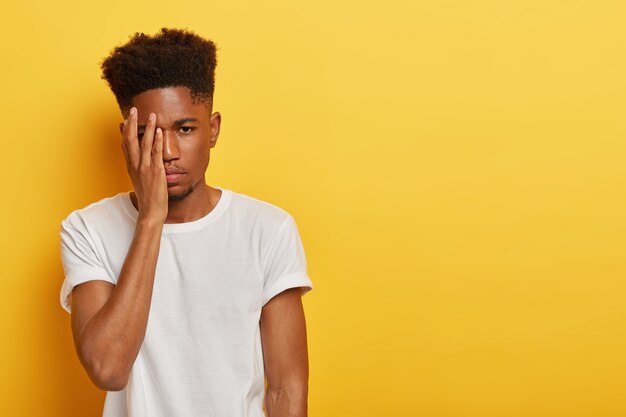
177	123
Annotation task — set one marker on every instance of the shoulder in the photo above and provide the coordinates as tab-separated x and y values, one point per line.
259	211
104	212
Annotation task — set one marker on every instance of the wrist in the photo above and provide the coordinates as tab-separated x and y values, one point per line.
149	223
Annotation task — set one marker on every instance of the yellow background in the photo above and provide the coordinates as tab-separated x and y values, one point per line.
456	170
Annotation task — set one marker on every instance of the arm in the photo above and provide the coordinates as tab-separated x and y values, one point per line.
109	322
283	337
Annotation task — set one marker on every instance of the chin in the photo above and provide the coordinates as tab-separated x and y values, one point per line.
172	197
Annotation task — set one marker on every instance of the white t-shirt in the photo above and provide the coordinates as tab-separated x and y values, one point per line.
201	355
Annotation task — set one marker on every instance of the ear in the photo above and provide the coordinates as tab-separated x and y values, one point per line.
215	121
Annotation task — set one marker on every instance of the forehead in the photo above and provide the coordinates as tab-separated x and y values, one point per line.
169	104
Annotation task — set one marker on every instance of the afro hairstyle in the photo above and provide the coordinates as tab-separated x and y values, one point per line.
171	58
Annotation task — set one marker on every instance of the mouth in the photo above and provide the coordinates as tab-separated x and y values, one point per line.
173	178
173	174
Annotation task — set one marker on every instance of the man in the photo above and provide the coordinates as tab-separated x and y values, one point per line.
183	297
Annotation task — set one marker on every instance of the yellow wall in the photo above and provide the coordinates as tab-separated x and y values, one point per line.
456	169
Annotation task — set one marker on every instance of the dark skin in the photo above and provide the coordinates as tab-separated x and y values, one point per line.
189	131
109	321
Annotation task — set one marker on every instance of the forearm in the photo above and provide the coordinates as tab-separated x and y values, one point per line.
287	402
111	340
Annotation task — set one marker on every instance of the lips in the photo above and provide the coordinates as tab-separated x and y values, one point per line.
173	174
172	170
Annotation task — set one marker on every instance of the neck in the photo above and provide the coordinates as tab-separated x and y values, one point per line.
193	207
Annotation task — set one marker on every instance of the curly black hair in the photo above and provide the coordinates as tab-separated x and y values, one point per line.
171	58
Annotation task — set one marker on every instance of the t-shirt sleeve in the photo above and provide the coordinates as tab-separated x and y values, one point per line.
80	261
287	263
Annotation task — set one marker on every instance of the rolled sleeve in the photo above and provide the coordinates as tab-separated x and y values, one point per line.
80	261
287	267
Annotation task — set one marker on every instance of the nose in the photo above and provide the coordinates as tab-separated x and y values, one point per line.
170	146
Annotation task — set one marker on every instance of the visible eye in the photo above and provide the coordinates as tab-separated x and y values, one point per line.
187	129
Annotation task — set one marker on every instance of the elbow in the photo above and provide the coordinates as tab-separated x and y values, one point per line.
110	383
288	401
106	377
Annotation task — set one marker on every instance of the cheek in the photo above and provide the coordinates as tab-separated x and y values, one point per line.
198	154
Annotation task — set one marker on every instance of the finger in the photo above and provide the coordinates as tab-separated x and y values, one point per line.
130	138
123	143
157	149
147	140
125	150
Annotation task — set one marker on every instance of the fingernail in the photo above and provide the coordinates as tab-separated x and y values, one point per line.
152	116
133	111
158	130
